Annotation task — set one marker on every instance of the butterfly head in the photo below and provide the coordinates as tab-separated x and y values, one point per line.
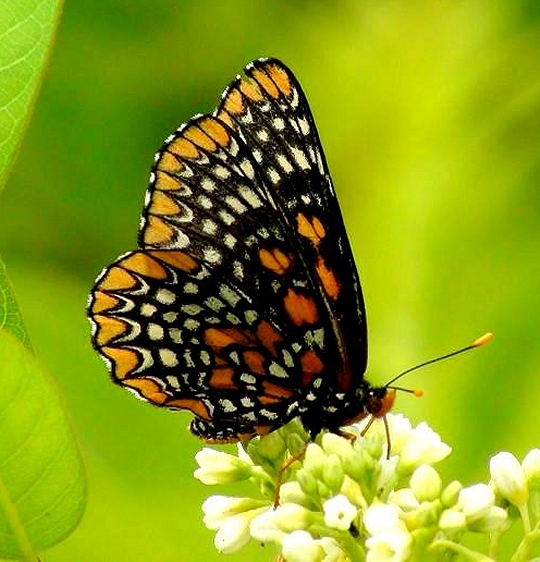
380	401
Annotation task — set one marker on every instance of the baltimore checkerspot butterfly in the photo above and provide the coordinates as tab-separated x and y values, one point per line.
243	302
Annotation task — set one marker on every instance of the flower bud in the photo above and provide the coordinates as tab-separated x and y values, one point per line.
452	521
531	468
509	478
493	520
333	473
300	546
475	501
216	467
426	483
450	494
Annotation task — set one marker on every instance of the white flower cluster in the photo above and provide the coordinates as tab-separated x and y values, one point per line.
343	500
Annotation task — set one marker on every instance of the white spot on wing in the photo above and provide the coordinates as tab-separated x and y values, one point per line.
221	172
277	370
155	331
211	255
227	294
209	227
164	296
300	158
285	165
148	309
235	204
275	178
278	124
168	357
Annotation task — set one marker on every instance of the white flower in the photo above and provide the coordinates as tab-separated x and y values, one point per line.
426	483
216	467
475	501
291	492
388	477
400	431
300	546
405	499
390	540
263	528
339	512
509	478
380	518
423	447
392	547
291	517
452	520
531	468
492	521
217	509
234	532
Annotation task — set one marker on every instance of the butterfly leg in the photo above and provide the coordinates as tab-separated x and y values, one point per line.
279	478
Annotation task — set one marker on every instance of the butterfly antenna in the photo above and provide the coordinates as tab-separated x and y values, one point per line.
418	392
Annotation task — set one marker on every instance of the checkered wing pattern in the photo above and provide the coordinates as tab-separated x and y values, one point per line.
243	303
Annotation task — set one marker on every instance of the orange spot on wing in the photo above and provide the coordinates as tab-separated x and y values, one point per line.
169	163
200	138
216	131
144	264
218	338
222	378
266	83
175	258
301	309
312	229
103	301
275	260
328	279
157	232
124	360
117	278
166	182
183	148
272	390
255	362
311	363
251	90
279	76
226	118
162	204
147	388
108	329
233	103
191	404
268	336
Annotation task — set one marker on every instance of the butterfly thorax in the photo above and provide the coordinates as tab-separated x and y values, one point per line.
339	409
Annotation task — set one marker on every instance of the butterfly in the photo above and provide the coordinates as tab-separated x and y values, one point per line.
242	303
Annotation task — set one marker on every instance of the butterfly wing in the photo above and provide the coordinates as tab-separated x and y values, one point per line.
243	303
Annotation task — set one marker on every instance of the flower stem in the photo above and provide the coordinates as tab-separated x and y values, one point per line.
467	553
522	551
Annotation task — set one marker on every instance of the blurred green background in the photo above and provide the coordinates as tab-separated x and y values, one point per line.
429	112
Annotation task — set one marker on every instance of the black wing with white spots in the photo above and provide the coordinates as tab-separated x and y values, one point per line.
242	304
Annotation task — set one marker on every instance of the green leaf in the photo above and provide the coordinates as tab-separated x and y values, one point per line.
42	483
10	316
26	28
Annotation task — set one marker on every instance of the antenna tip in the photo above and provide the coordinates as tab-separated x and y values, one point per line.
482	340
418	392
